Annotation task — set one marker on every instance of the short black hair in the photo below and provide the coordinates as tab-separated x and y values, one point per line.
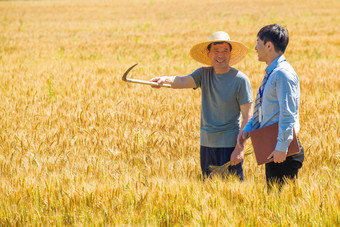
275	33
215	43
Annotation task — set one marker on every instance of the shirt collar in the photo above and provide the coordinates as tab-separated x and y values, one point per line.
275	63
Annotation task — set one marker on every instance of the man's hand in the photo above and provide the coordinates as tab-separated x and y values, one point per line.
242	138
278	156
159	81
237	156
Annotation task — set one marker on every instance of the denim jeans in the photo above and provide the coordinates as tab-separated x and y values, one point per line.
218	157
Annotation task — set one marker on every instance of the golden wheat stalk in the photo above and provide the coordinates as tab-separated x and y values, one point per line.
223	169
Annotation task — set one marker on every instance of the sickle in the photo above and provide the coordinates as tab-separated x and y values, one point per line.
141	81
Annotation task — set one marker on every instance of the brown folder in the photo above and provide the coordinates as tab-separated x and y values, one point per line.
264	142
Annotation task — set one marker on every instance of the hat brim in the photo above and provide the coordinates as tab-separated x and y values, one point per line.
238	52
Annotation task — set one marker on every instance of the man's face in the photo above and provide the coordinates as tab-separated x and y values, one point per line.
219	56
261	50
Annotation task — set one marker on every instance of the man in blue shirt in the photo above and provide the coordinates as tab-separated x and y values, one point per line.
226	95
277	101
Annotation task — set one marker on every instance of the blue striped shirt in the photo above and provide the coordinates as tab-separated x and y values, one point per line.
280	102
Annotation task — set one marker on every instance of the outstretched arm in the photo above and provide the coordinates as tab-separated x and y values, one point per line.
175	81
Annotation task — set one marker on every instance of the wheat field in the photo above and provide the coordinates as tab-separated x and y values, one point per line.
80	147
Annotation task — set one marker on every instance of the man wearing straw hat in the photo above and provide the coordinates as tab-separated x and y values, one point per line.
226	94
277	101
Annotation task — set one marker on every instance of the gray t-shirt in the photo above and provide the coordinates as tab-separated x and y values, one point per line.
222	95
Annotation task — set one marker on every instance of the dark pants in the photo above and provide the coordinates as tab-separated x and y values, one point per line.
277	172
218	157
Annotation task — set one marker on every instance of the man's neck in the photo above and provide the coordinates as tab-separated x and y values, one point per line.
222	70
272	57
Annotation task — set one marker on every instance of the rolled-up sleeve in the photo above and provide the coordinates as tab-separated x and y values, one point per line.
249	126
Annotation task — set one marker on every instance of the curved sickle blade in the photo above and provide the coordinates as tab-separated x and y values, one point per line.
127	72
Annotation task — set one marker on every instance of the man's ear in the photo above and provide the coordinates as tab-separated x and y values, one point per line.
269	45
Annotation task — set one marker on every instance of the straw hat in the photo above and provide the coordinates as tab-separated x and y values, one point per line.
238	52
